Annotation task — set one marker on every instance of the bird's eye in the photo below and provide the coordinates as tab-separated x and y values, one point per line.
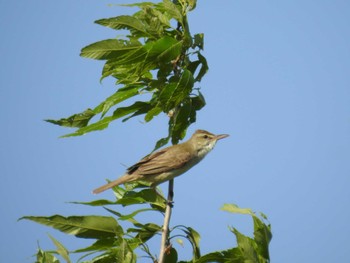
205	136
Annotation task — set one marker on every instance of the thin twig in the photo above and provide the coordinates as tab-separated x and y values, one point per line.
165	233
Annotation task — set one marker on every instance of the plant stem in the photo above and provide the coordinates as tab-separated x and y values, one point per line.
165	232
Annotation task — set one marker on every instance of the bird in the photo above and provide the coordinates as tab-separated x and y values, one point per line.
168	163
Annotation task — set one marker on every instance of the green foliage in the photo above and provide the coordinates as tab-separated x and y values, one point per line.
159	58
116	237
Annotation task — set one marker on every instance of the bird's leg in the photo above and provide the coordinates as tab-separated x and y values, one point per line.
170	201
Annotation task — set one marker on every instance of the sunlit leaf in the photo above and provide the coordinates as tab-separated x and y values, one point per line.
135	25
144	196
173	10
61	250
81	226
232	208
45	257
109	49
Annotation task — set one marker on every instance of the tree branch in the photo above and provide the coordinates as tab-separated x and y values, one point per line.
165	231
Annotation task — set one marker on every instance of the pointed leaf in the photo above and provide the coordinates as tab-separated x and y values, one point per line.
61	249
81	226
109	48
99	125
76	120
232	208
136	27
262	237
161	142
101	202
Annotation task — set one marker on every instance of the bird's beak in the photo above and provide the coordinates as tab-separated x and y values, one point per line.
221	136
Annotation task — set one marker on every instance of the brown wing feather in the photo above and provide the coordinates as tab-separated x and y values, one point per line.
161	161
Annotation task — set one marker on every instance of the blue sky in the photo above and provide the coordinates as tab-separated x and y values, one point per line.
278	84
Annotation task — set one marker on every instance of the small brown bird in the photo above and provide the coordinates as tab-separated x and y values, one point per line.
169	162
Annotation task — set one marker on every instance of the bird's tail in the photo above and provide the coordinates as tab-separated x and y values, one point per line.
121	180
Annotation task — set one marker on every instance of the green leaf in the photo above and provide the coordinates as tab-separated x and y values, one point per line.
232	255
198	41
192	4
232	208
194	238
257	248
121	95
76	120
61	250
171	256
171	9
109	49
162	51
204	68
198	102
121	252
45	257
182	121
137	108
99	125
262	237
247	247
135	25
176	91
100	202
166	49
81	226
152	113
161	142
144	196
145	231
100	245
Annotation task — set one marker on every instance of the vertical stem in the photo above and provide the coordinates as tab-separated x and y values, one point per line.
165	231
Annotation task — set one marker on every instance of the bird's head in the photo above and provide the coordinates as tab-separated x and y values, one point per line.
204	141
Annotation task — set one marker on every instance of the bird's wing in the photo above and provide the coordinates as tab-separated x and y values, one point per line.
160	161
